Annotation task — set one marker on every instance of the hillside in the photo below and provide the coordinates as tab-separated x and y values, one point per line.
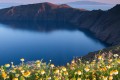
103	24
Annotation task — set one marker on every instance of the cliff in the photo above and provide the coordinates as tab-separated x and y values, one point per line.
105	25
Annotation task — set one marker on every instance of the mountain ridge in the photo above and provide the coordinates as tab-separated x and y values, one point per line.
103	24
87	3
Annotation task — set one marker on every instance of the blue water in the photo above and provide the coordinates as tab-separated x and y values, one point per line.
56	42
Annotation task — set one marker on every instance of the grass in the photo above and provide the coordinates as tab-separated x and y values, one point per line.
100	68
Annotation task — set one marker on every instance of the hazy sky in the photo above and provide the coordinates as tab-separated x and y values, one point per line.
56	1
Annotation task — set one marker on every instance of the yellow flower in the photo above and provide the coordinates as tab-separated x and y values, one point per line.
4	75
57	71
15	79
37	77
108	66
63	69
22	59
113	72
49	78
52	65
86	69
7	65
42	72
38	63
99	57
79	72
104	77
78	78
65	73
73	61
103	69
110	60
118	61
26	74
22	71
110	77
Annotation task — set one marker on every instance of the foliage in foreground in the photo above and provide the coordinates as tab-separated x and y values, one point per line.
100	68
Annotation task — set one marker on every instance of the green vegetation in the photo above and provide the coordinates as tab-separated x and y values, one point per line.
100	68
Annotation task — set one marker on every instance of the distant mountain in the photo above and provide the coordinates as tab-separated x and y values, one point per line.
86	3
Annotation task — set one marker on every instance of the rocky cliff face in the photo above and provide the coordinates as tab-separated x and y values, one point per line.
37	12
104	24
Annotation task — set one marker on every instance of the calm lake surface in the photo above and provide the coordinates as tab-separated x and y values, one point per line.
56	42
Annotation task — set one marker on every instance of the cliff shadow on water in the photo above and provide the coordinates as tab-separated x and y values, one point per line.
49	26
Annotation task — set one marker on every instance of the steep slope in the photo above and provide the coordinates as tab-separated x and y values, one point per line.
104	24
37	12
107	27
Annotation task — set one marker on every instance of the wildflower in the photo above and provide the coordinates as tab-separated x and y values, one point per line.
103	69
118	61
110	60
87	62
38	63
37	77
22	59
13	71
72	68
15	79
115	72
86	69
63	69
66	73
20	68
49	78
115	55
26	74
22	71
4	75
73	61
42	72
108	66
79	72
17	75
52	65
100	57
78	78
68	64
7	65
12	65
94	79
110	77
57	71
104	77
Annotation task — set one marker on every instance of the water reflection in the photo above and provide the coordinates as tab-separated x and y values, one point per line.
41	27
59	42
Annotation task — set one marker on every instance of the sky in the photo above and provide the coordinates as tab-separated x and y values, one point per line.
57	1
